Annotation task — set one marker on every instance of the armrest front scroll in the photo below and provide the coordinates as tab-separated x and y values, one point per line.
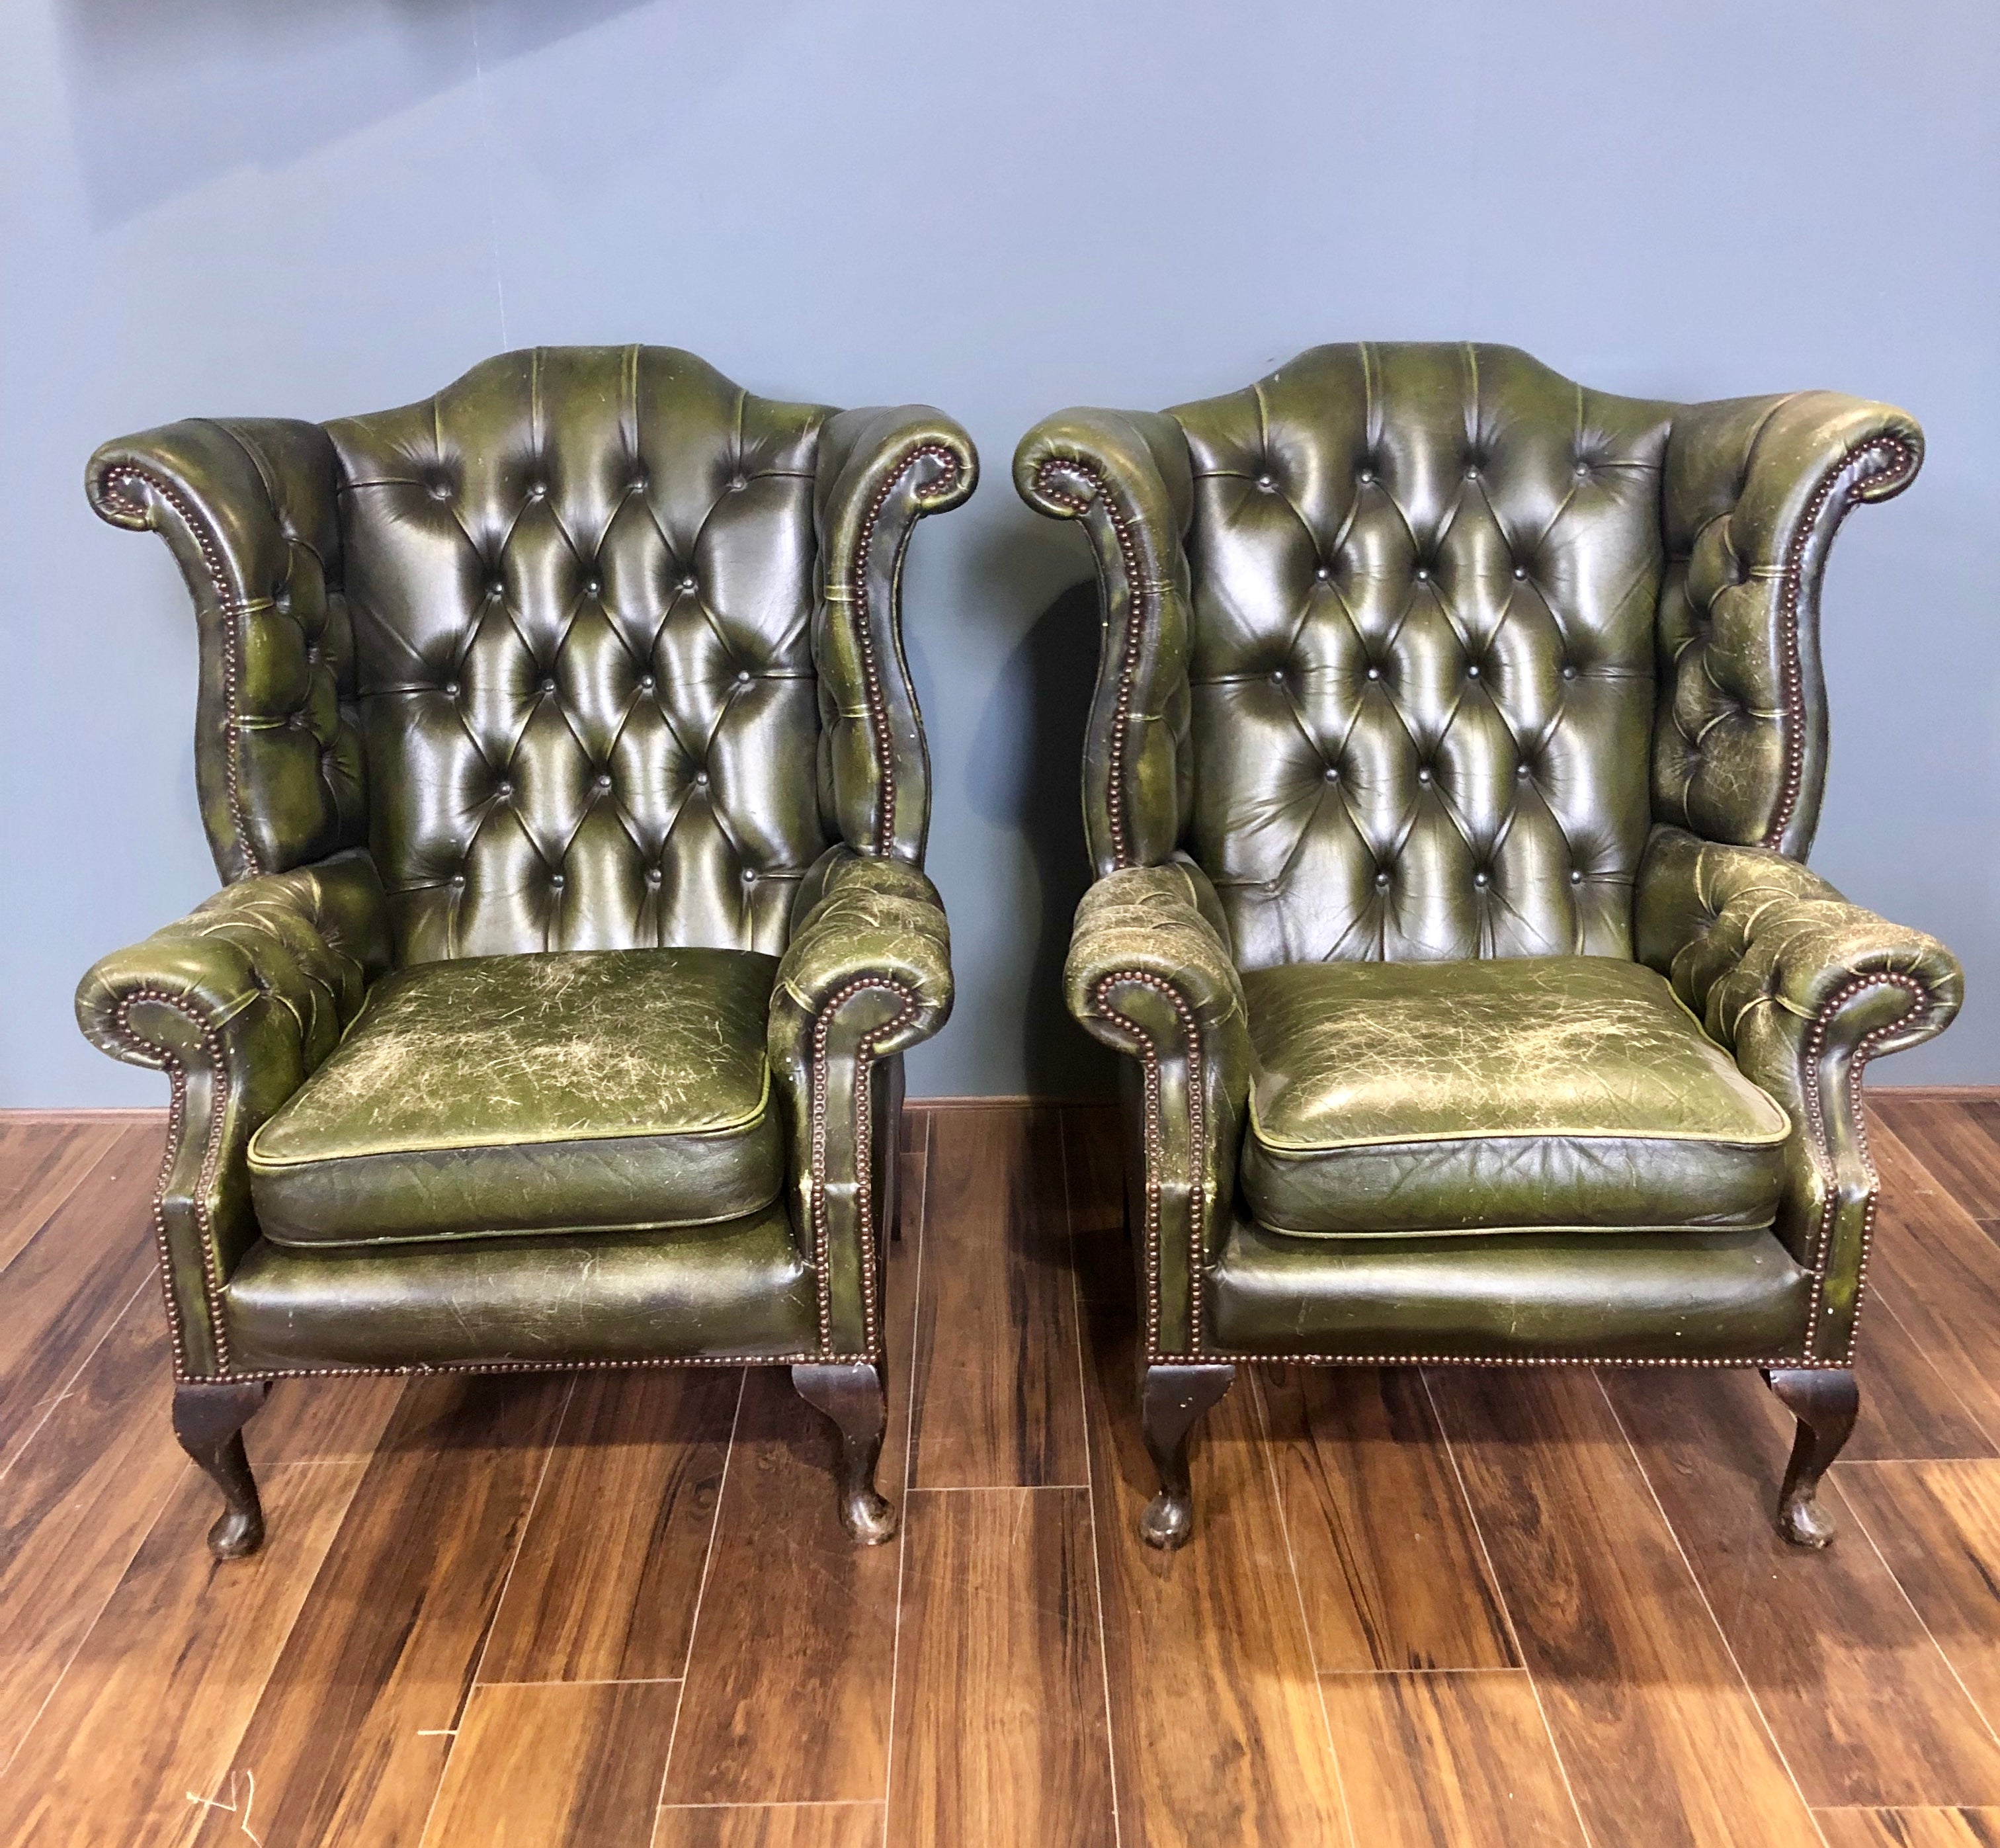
238	1003
879	472
867	974
1127	476
248	508
1755	490
1805	988
1150	974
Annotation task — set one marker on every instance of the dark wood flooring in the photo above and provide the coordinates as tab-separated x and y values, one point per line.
1444	1607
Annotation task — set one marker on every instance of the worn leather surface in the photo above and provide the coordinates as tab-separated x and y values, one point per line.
1711	1295
1804	987
1149	972
740	1287
1403	1098
1409	651
593	1090
867	975
592	652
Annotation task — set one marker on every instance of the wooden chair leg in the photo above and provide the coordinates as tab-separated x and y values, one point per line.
856	1398
1171	1401
208	1418
1824	1400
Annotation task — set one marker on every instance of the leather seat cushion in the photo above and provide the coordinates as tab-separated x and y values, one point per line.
591	1091
1529	1093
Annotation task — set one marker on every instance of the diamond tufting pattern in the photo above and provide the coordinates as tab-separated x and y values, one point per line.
582	588
1424	585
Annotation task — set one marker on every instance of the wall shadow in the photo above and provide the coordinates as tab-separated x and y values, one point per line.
1049	675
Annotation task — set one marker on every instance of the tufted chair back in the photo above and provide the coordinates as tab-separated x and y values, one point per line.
1424	583
581	586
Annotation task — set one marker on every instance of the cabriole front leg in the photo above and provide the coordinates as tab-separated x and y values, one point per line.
1171	1401
208	1418
855	1397
1824	1400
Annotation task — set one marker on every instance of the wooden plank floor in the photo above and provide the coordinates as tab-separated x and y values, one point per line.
1448	1608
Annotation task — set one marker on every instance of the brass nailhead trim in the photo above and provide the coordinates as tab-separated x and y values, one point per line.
176	1131
863	1154
878	718
1155	1144
115	482
1135	628
1900	460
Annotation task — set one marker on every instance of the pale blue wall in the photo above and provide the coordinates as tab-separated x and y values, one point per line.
327	206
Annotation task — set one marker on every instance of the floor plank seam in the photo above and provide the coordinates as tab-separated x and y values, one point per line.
472	1682
54	1399
909	1470
1701	1591
1089	1470
1267	1444
1884	1306
1500	1598
1985	1719
694	1618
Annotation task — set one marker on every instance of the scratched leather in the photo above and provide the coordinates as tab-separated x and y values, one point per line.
1764	949
1514	1092
583	656
599	1089
1429	640
1695	1294
876	917
739	1287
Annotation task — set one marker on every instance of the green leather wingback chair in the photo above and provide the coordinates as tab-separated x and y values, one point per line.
1458	740
556	743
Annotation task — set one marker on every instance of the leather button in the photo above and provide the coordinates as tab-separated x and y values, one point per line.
1520	571
495	591
592	587
687	582
1277	676
557	881
645	683
749	875
1479	879
701	779
281	601
743	677
1582	469
440	491
1381	882
1323	574
458	879
451	687
652	875
1424	774
538	491
1365	476
737	483
504	789
1472	670
1266	483
1521	770
1569	670
604	782
548	685
638	484
1374	673
1423	575
1575	878
1472	471
1332	773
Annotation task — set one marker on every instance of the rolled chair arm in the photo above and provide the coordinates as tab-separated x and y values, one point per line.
1804	988
1150	973
238	1003
247	508
867	974
1126	475
878	472
1755	490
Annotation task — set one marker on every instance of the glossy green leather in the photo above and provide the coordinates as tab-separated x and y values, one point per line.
600	1090
1423	655
1688	1295
593	661
1569	1092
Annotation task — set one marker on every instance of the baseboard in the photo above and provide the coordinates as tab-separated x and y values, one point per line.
83	1113
1942	1093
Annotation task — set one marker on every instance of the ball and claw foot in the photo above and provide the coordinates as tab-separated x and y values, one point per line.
1824	1400
854	1397
1171	1401
208	1418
